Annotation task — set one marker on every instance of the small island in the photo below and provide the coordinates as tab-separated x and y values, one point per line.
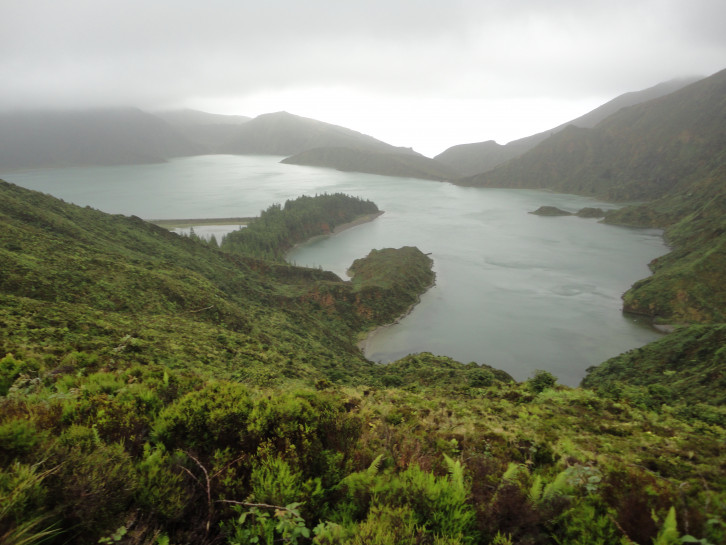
587	212
551	211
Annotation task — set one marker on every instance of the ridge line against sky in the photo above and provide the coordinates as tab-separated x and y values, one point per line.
417	73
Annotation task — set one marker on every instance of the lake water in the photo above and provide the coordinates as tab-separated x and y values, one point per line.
513	290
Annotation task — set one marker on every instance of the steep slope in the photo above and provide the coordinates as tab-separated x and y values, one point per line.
282	133
686	365
33	139
156	390
209	130
84	267
639	153
476	158
689	284
386	163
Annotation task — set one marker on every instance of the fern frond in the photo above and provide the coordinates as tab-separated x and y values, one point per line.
535	491
668	534
512	471
559	487
375	466
456	471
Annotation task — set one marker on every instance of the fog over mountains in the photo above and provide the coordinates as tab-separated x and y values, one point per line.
479	157
31	139
640	152
90	137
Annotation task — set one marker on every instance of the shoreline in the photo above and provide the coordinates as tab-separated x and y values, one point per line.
362	344
365	218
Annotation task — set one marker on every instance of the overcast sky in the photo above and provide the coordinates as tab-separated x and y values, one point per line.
425	74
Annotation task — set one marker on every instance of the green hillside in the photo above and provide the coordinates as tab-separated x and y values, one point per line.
689	284
686	365
156	390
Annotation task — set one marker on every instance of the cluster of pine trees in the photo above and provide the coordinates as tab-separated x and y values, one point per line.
280	227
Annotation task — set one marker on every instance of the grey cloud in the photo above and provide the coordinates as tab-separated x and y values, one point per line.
139	52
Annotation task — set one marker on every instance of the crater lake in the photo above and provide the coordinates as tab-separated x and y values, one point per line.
517	291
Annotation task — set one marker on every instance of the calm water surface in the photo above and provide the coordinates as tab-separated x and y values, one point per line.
513	290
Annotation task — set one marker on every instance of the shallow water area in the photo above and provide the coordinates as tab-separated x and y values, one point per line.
514	290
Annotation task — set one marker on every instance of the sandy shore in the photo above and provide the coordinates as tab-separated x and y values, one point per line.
362	219
342	227
363	343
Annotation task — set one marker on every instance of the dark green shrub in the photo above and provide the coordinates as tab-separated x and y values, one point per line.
17	438
416	499
304	427
480	378
391	381
10	369
21	492
213	418
162	489
541	380
94	484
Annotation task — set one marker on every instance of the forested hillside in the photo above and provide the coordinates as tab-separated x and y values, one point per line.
156	390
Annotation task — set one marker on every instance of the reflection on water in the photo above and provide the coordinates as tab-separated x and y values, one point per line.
513	290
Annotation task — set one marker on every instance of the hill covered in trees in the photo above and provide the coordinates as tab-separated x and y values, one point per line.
281	227
154	389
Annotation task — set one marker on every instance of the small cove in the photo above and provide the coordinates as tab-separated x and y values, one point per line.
513	290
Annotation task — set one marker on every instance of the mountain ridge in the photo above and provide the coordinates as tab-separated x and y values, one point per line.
283	133
208	130
479	157
639	153
113	136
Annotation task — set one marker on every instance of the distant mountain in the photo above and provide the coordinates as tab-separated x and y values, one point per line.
286	134
386	163
639	153
31	139
187	117
479	157
209	130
